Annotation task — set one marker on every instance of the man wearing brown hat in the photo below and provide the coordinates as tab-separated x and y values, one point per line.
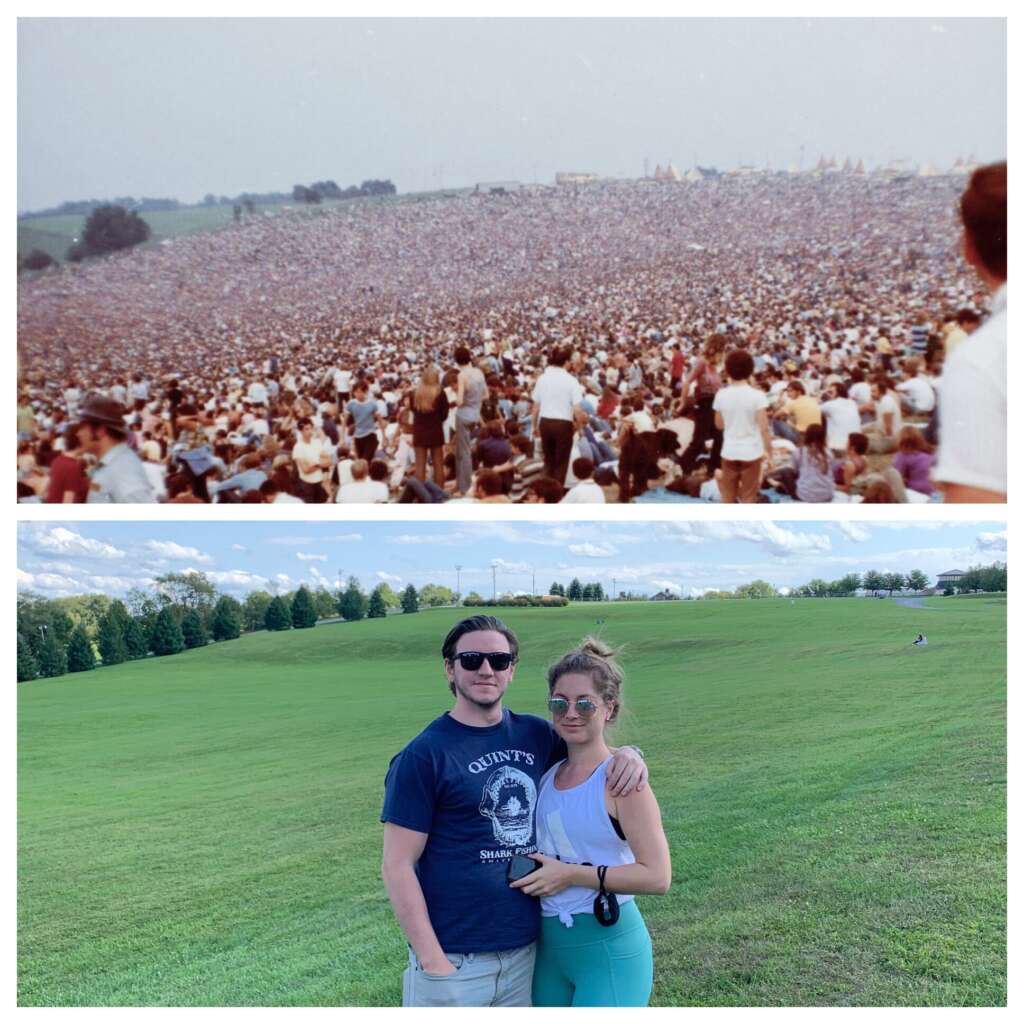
119	476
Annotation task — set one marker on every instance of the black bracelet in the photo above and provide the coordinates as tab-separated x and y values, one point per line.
606	904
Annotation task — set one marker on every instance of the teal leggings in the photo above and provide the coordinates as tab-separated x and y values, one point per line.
590	965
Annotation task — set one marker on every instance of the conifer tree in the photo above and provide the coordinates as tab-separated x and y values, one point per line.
377	609
410	600
303	610
278	615
167	637
226	623
135	640
193	630
110	636
53	659
80	653
27	666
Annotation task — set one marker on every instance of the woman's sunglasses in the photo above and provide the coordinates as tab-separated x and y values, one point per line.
472	660
558	706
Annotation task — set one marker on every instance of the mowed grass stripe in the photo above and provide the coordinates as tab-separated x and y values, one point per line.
202	829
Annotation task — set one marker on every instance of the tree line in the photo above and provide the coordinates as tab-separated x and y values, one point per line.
321	190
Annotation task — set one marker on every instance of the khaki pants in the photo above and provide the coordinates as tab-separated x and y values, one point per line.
480	979
740	481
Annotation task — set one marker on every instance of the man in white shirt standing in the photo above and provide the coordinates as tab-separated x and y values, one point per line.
741	413
556	403
311	458
972	392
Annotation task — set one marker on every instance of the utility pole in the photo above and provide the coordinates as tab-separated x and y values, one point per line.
533	585
494	582
614	588
458	584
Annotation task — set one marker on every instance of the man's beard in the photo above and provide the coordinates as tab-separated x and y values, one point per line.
466	692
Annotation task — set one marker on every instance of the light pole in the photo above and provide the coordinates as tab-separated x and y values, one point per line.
494	582
458	585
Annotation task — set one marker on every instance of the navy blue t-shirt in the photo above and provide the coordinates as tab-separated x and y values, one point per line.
473	790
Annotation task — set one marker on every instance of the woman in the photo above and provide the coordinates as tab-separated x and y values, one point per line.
814	480
594	949
706	373
470	395
914	460
429	411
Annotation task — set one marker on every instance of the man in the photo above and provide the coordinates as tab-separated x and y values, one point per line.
312	458
366	420
119	476
586	491
458	805
556	405
972	392
796	414
741	413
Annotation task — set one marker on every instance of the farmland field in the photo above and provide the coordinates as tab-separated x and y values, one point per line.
203	829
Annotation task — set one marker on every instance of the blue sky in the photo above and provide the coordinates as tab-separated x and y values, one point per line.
63	559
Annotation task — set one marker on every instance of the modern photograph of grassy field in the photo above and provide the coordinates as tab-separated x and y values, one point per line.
202	830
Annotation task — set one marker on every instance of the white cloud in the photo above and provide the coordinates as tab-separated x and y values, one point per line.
239	547
992	541
105	584
435	540
302	557
346	538
237	578
853	531
775	539
170	549
589	550
500	563
62	541
283	577
24	578
388	578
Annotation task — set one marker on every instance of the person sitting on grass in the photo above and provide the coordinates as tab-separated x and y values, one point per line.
813	477
586	490
921	641
854	464
914	460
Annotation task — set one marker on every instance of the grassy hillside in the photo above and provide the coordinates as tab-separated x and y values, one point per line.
203	829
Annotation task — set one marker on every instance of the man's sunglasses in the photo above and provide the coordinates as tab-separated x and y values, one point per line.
558	706
472	660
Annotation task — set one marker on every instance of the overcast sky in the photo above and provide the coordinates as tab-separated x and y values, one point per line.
182	107
687	558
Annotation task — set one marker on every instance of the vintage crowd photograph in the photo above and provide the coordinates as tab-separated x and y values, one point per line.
668	763
512	260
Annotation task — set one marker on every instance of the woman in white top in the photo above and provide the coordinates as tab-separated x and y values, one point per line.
595	851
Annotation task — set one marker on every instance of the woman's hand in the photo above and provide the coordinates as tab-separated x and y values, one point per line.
552	877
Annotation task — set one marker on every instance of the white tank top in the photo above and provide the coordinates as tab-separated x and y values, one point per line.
574	825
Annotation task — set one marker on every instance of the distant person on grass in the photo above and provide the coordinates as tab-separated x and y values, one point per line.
459	804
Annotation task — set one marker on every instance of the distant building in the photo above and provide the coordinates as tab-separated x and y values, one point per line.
665	595
497	188
575	178
952	578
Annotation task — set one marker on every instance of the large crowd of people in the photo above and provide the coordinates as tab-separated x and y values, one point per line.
760	338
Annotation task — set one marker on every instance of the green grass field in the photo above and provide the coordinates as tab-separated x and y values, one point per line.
202	829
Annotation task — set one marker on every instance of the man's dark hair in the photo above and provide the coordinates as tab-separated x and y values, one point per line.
462	355
739	365
983	211
583	468
858	442
967	316
489	482
477	624
548	489
304	422
378	470
559	356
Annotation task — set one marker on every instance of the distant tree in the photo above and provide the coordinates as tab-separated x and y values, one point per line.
80	653
848	585
167	636
110	635
303	610
110	228
557	590
472	599
410	600
756	589
226	621
377	609
250	207
375	187
254	610
37	259
893	581
819	588
433	595
188	590
209	200
52	657
325	602
27	665
302	194
873	581
575	591
278	615
352	603
917	580
327	189
193	630
136	641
